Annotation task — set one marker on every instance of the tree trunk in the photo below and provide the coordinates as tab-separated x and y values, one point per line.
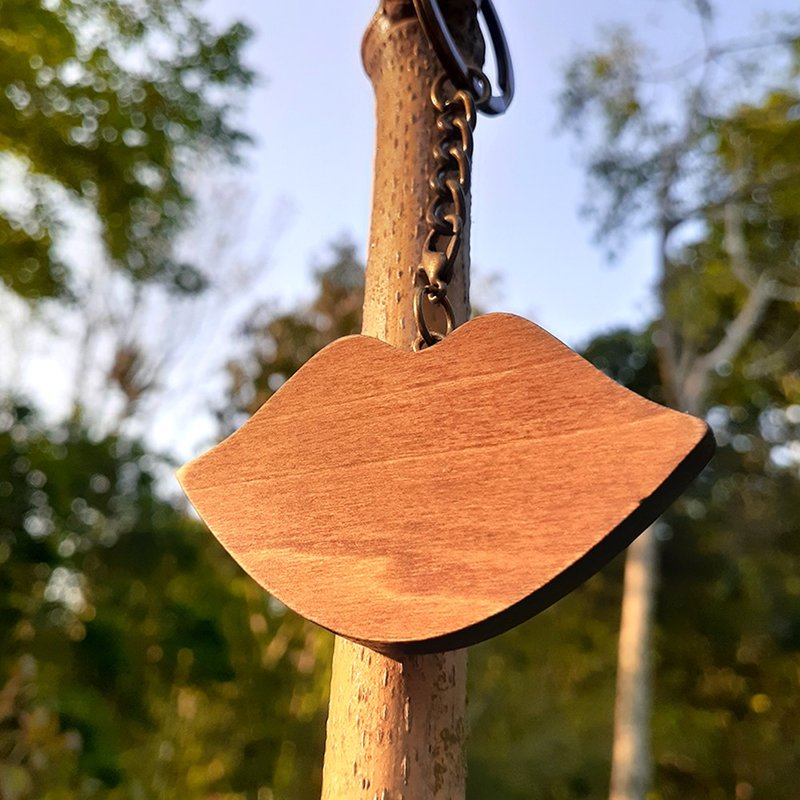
396	727
632	762
631	769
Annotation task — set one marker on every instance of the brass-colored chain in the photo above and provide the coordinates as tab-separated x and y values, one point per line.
456	94
446	214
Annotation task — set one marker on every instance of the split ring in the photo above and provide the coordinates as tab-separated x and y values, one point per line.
461	74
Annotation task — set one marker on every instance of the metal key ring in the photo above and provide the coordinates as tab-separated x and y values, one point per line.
462	75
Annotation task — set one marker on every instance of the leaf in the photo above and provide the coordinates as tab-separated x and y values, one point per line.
15	782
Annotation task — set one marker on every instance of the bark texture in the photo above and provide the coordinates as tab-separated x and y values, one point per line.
396	727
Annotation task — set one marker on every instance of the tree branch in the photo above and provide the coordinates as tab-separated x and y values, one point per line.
742	328
783	291
721	50
735	245
778	358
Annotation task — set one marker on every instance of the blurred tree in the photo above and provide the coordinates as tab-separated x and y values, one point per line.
105	109
131	646
138	659
714	177
279	344
726	713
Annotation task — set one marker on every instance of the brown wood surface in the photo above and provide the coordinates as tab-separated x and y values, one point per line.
423	501
396	726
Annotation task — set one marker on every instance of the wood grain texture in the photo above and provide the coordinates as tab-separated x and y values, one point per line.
425	501
396	726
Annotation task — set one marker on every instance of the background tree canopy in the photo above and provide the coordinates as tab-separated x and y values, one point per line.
138	661
104	106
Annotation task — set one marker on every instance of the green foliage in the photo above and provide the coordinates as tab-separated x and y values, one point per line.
103	108
755	152
629	359
138	661
606	103
540	700
657	143
728	634
279	344
714	175
727	687
132	648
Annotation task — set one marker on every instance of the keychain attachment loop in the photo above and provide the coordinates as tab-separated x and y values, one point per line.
461	74
436	296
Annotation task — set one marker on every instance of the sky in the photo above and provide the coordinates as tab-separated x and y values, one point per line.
307	182
310	169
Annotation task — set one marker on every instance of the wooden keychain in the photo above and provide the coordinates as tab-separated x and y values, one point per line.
420	501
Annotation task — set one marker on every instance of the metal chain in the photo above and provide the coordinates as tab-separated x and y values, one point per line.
455	94
446	214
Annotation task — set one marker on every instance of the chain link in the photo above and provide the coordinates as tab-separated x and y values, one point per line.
446	214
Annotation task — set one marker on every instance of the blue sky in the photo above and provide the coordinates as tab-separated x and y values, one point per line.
312	117
307	182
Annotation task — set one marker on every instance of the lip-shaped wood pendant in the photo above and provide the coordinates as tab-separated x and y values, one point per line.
426	501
